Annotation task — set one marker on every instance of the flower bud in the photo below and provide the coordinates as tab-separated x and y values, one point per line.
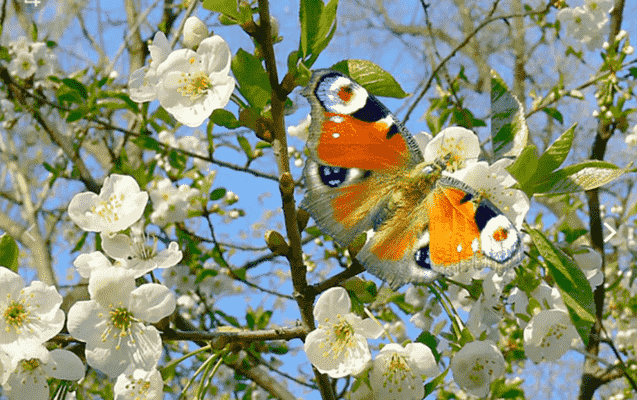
194	32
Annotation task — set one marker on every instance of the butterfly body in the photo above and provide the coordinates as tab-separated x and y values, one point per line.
366	174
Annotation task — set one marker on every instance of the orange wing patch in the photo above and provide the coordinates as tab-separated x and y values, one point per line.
350	143
454	235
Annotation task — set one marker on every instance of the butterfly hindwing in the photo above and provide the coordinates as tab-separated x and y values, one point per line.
482	236
451	229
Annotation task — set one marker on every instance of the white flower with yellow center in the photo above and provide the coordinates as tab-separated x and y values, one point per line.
192	85
339	346
23	65
398	371
136	254
476	365
119	205
34	365
549	335
139	384
455	145
28	315
115	323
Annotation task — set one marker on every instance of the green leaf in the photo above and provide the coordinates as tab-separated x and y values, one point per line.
4	54
508	126
437	381
130	104
525	165
34	32
217	194
376	80
553	113
225	7
308	12
77	86
218	257
176	160
9	252
430	341
147	142
245	145
465	118
163	115
80	243
557	152
70	97
583	176
314	231
252	79
225	118
112	105
74	116
263	145
327	27
318	25
571	282
229	318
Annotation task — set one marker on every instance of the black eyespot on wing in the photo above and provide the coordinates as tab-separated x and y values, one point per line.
332	176
372	111
484	213
392	131
467	197
422	257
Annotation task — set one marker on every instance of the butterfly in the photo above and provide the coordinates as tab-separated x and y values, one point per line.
366	174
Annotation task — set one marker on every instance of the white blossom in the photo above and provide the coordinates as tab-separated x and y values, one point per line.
476	366
135	254
398	371
34	365
192	85
339	346
142	83
172	204
194	32
548	335
23	65
28	315
119	205
115	323
138	385
459	144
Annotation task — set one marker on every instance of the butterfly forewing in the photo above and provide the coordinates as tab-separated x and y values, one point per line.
351	128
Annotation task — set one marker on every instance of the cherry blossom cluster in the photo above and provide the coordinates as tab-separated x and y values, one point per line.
188	84
30	316
28	60
586	24
116	323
